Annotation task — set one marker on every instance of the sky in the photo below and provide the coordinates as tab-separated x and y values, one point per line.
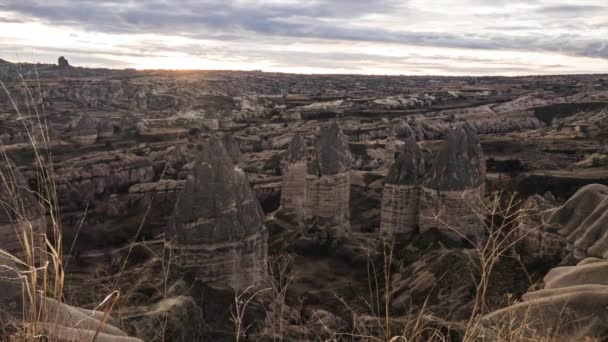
387	37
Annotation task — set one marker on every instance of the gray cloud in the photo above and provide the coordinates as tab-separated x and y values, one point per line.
538	30
571	9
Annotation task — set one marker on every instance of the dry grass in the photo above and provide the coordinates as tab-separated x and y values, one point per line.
38	264
500	217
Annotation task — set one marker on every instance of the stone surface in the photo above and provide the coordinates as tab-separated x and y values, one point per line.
172	319
402	191
219	233
453	191
231	147
293	187
81	181
328	184
331	154
390	149
550	232
535	243
62	62
459	164
582	221
443	282
86	131
571	305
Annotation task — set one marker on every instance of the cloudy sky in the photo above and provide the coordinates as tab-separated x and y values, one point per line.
413	37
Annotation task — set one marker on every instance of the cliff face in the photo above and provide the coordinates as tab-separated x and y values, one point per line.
402	189
453	190
328	183
80	181
218	231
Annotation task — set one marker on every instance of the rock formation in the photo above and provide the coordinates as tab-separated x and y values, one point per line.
232	147
328	183
105	129
454	187
536	244
218	232
443	281
226	121
402	129
86	131
181	316
576	227
390	149
80	181
572	306
62	62
139	157
582	221
293	188
128	124
402	190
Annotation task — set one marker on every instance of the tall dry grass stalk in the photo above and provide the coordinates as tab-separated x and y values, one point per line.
500	217
39	262
279	279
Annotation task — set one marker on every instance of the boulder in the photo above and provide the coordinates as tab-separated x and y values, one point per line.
176	318
572	306
582	221
576	228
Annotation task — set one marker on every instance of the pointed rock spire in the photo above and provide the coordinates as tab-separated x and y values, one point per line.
297	149
403	129
332	154
409	167
218	230
232	147
217	203
459	165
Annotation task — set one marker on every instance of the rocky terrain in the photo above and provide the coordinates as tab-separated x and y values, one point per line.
262	206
